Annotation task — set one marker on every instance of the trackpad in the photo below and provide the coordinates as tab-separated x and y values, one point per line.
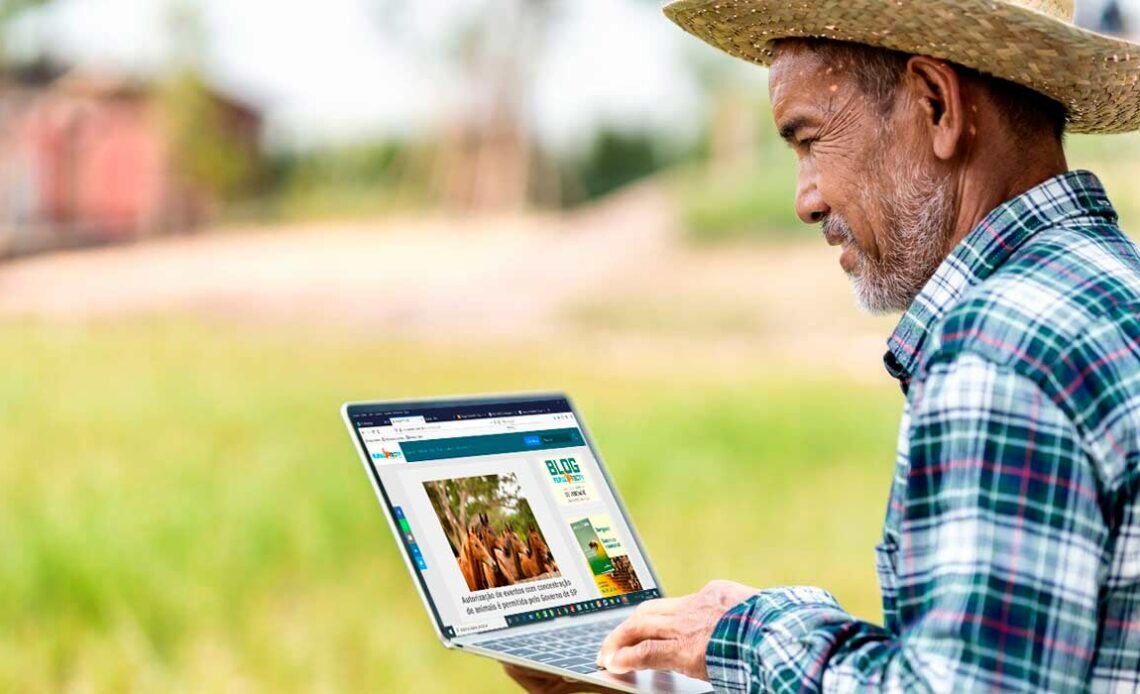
655	681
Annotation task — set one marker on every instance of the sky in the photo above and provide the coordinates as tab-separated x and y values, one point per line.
342	70
350	69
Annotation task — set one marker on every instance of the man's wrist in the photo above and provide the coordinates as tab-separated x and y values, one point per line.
733	653
725	660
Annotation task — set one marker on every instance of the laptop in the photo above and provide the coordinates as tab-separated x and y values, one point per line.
513	532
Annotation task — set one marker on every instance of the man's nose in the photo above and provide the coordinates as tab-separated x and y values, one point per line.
810	207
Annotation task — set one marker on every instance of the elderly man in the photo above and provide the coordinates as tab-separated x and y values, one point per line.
929	137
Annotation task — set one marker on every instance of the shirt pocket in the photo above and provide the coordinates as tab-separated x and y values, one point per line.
886	566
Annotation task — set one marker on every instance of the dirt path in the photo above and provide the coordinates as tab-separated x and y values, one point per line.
487	273
615	271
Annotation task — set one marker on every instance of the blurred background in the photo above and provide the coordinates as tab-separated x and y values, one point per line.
219	220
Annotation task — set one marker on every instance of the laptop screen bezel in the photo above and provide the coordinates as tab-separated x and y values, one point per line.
351	409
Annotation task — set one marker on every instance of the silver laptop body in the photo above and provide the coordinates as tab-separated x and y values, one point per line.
511	528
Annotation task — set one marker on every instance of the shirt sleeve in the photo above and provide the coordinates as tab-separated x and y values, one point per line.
1000	552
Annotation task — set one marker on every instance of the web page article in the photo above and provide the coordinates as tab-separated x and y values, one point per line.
509	526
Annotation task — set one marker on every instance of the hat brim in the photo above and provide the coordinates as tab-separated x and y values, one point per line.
1096	77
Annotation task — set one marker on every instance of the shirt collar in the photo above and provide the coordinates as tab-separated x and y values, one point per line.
1071	195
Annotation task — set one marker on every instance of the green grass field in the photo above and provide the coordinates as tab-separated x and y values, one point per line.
180	507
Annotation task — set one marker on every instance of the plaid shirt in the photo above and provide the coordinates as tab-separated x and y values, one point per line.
1010	556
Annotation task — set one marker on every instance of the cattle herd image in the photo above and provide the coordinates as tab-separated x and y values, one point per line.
492	531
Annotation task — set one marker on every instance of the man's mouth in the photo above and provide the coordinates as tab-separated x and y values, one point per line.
848	260
836	233
833	237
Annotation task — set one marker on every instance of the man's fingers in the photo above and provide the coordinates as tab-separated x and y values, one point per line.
652	654
646	619
633	630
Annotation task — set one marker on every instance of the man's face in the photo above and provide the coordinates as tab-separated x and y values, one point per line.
864	176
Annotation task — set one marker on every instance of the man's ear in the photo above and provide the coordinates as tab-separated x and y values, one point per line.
937	89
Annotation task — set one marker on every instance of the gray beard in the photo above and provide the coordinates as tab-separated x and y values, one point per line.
917	217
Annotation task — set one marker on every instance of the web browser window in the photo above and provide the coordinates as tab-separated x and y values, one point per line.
504	512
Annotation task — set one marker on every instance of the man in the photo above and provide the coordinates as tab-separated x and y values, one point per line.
929	143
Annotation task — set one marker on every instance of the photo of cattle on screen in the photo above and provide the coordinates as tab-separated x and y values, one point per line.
492	531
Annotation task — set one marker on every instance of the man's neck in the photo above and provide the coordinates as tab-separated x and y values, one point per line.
998	174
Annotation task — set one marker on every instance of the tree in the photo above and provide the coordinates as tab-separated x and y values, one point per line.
9	11
486	156
208	151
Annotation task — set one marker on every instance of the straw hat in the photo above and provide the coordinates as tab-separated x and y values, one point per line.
1031	42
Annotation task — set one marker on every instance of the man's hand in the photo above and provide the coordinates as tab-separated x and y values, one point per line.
539	682
671	633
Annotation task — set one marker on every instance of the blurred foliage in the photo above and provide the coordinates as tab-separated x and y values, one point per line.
10	10
1116	160
207	148
204	524
750	198
754	204
348	181
380	177
614	159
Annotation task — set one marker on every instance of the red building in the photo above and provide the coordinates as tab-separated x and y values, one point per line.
86	160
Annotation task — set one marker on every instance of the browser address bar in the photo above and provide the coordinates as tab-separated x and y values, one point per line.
482	426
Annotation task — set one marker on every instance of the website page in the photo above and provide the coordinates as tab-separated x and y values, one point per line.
504	512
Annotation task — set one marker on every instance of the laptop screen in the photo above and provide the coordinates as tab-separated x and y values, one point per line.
503	509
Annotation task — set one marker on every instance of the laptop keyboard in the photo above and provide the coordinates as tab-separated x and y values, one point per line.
573	647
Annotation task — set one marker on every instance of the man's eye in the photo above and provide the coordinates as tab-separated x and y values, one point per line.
807	142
